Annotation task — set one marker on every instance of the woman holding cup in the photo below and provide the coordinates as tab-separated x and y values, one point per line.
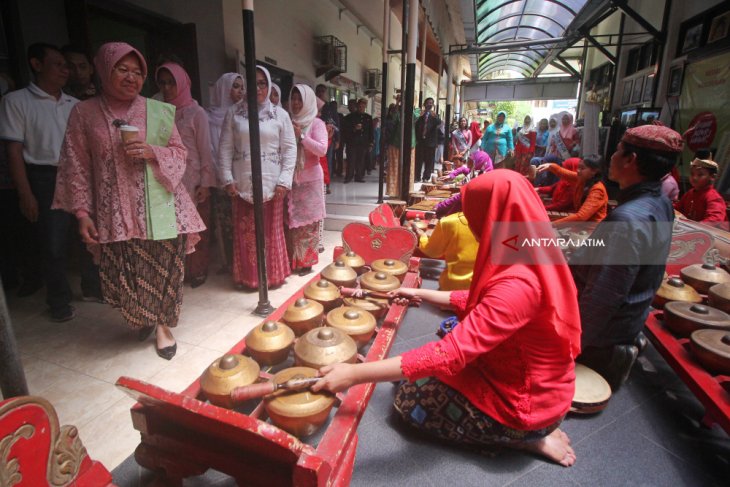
124	186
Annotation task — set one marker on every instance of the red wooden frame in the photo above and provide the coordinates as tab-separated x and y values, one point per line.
713	391
182	435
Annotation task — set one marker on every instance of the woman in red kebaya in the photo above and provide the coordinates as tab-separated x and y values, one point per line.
508	367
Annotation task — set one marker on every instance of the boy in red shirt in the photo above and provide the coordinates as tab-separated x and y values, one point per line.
703	203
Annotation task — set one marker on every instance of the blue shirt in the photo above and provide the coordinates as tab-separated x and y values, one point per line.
617	287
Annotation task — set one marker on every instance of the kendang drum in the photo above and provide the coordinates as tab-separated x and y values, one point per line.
416	197
592	392
398	207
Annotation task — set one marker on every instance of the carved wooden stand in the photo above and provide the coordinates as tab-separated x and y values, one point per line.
35	451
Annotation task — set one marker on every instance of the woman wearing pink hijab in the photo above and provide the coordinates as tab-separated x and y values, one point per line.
566	139
133	212
192	123
306	199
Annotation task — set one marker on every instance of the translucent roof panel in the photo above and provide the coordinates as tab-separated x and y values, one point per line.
502	21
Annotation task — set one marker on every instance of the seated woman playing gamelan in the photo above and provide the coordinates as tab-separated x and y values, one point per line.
590	199
508	366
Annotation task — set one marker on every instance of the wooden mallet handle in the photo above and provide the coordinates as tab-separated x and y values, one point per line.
253	391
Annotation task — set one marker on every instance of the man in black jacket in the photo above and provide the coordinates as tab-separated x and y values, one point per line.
359	127
426	140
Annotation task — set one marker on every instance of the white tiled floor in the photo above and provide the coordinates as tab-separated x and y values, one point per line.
75	364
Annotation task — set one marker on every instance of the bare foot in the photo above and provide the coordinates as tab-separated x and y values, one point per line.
555	446
164	337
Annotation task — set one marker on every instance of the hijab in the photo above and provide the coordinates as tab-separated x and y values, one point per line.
266	109
556	117
482	161
496	120
526	127
476	133
106	58
182	81
220	100
306	115
276	88
489	202
567	131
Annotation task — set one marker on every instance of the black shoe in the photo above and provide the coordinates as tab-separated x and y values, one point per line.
144	333
641	342
64	314
28	288
328	190
168	352
197	281
359	180
347	181
619	367
305	270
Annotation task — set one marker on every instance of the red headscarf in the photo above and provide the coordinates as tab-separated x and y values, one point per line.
498	203
182	81
476	134
564	190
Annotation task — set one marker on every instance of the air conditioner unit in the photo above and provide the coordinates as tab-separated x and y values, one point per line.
330	56
372	81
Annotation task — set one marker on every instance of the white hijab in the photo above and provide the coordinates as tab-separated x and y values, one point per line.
266	109
306	115
220	100
276	88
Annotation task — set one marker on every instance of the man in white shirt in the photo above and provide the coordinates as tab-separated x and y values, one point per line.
33	123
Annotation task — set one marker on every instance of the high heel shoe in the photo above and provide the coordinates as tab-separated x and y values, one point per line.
168	352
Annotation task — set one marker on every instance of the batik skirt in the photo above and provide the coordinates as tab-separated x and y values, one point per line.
144	279
303	244
245	270
196	264
440	411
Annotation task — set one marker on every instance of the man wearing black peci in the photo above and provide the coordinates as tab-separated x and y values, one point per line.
427	126
359	127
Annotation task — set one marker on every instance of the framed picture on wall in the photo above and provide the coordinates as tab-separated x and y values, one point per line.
648	88
626	97
674	88
638	90
719	28
692	38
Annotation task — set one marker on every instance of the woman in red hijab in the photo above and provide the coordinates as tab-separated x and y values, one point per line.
508	367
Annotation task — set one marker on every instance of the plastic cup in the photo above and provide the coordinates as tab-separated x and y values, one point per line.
129	132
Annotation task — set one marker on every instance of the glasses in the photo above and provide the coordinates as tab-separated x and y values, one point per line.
124	71
262	85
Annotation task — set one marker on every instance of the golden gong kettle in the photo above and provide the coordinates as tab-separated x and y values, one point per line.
324	346
684	318
719	296
674	289
353	260
300	413
391	266
703	276
377	307
379	281
325	293
269	343
303	315
225	374
357	323
340	274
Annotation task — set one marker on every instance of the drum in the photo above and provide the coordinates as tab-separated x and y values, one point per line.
592	392
416	197
398	207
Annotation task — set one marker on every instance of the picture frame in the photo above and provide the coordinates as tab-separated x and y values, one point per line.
674	86
638	90
626	96
648	88
692	38
719	28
